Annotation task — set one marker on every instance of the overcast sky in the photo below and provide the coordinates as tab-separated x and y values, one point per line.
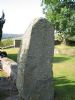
19	14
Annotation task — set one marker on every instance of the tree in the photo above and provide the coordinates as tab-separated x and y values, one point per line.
62	14
2	21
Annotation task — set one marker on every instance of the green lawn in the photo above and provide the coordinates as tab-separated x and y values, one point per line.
63	72
64	77
68	50
12	53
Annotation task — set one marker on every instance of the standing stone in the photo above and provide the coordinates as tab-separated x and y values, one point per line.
35	79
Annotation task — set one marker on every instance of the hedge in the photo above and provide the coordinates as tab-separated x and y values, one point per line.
6	42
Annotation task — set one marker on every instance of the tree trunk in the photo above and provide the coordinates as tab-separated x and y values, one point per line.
64	39
64	42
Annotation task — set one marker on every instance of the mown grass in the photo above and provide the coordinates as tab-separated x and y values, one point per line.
12	53
64	77
67	50
62	46
63	73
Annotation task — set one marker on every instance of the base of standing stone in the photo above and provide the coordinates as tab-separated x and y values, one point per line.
40	91
16	97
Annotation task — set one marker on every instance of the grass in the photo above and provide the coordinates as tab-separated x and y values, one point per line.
63	73
12	53
62	46
67	50
64	77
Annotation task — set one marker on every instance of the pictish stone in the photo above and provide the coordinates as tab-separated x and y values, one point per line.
35	77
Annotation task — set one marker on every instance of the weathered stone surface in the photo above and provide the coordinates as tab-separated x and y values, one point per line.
7	88
10	67
34	80
12	98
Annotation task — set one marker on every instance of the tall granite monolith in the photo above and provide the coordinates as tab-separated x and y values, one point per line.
35	77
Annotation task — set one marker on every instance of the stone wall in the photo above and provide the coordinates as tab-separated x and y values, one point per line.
10	67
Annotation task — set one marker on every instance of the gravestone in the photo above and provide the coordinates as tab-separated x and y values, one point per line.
35	79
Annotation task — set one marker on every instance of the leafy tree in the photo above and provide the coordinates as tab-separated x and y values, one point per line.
62	14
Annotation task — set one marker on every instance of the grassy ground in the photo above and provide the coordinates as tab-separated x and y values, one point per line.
63	72
12	53
68	50
64	77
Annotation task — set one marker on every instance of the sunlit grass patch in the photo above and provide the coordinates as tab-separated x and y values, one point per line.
64	77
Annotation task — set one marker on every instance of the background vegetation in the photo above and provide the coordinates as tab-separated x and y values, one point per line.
61	13
6	42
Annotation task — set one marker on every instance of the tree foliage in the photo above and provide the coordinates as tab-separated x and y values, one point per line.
62	14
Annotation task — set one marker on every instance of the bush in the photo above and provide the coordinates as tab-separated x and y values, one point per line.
57	42
70	40
71	43
6	42
58	37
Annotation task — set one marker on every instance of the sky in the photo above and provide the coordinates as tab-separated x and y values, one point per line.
19	14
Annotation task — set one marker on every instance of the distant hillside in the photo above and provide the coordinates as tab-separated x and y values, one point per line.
6	35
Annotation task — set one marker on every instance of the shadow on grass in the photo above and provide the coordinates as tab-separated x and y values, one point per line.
55	59
59	59
64	89
13	57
